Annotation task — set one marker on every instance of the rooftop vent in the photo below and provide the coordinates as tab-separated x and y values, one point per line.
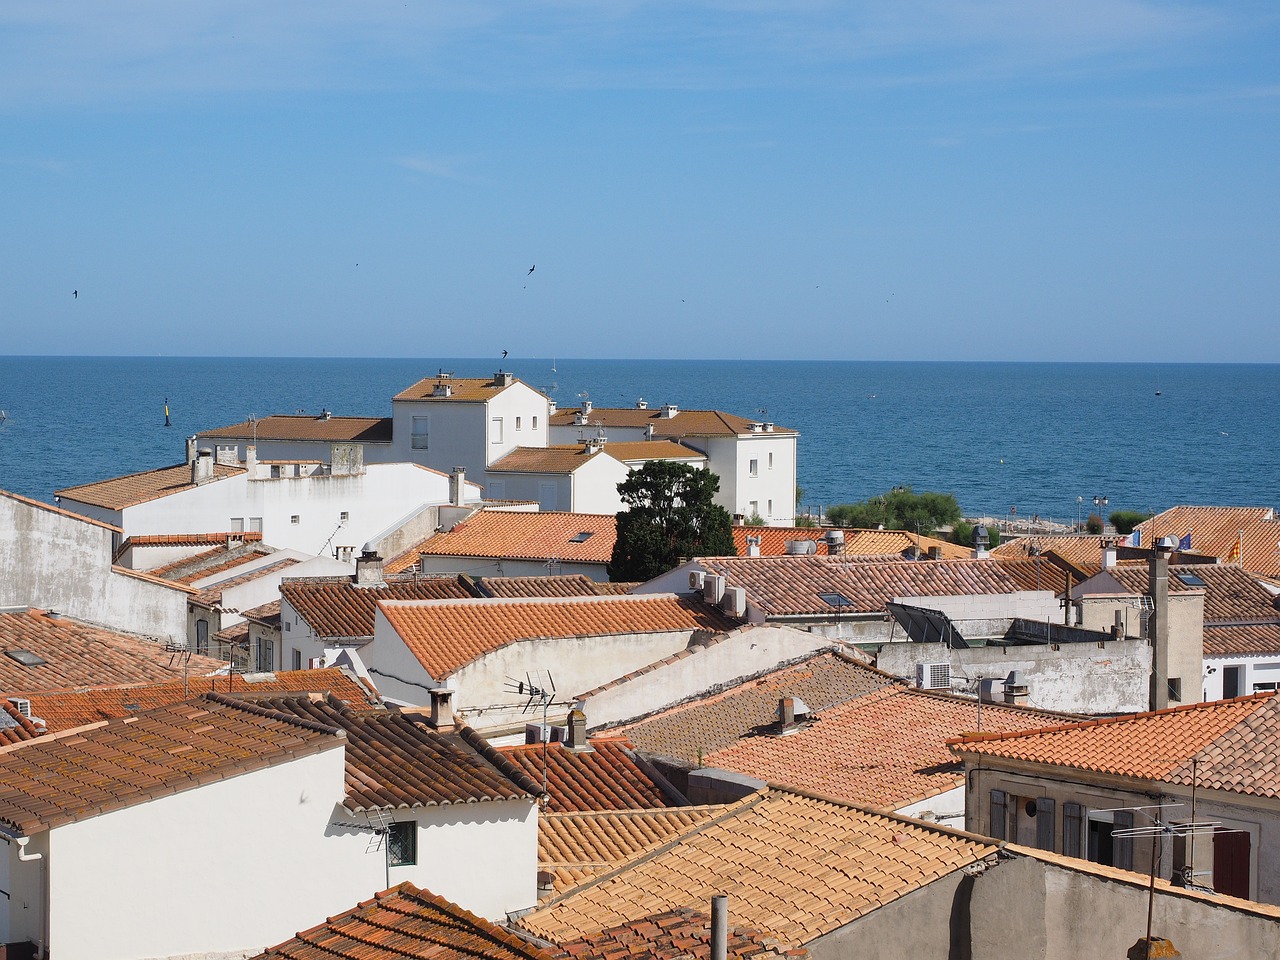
442	390
642	404
669	410
502	379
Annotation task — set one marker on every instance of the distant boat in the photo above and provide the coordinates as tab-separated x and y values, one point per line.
4	415
1157	393
553	364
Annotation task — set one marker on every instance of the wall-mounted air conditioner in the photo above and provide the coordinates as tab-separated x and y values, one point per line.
933	676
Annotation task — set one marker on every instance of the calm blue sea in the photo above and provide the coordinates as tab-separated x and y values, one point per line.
1041	436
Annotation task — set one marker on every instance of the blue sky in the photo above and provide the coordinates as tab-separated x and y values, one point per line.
906	179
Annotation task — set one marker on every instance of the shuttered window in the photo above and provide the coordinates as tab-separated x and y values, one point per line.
1072	820
1044	823
999	813
1122	849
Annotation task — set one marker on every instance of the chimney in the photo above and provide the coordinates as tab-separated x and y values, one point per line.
935	553
1108	554
648	431
1016	691
753	546
719	927
981	540
457	486
792	711
441	707
442	391
669	410
1117	628
642	404
369	568
202	466
191	449
835	542
577	739
251	461
1158	623
502	379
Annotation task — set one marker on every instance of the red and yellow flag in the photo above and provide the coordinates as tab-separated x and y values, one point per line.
1234	555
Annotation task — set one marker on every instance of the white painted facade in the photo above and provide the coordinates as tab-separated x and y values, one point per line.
235	866
1251	673
318	514
56	561
591	488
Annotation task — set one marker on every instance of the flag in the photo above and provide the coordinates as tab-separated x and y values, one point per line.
1135	538
1185	542
1234	555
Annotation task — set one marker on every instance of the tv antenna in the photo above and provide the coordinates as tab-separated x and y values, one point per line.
540	693
377	824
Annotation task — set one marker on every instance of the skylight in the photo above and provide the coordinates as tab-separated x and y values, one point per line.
835	599
582	537
26	658
1190	579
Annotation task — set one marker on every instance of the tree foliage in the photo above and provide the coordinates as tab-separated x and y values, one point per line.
1125	520
962	533
899	509
1093	524
671	515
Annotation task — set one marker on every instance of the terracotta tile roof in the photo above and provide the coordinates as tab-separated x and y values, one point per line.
461	389
1044	572
708	724
336	607
559	460
607	777
212	594
64	709
568	585
208	563
885	749
268	614
194	539
59	511
297	427
1225	737
681	934
405	922
793	586
793	866
1083	551
134	488
14	726
637	450
1217	530
576	846
527	536
447	634
857	542
397	760
62	778
158	581
78	655
1236	640
686	423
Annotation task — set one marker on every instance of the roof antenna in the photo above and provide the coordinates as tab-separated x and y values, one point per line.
538	693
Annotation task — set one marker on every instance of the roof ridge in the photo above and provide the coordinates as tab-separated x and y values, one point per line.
503	765
249	706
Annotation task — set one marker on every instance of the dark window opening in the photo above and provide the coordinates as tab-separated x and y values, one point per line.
402	844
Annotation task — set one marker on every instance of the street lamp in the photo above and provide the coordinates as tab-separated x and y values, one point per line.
1079	512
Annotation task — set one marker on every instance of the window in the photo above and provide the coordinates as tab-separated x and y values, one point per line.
1175	688
582	537
1190	579
835	599
517	423
237	524
295	519
297	657
344	516
402	844
771	508
255	524
202	637
755	508
535	423
420	430
1103	847
770	461
266	655
1262	687
753	468
495	434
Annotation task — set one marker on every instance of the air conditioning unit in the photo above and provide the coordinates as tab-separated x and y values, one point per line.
533	733
315	663
734	601
933	676
696	578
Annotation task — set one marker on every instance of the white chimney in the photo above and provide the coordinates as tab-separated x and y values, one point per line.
369	568
669	410
753	546
441	707
251	461
457	486
202	466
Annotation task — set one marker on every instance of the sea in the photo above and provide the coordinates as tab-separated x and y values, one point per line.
1013	440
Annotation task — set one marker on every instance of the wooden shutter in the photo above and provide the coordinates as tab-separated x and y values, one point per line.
1045	821
1122	847
1072	820
999	813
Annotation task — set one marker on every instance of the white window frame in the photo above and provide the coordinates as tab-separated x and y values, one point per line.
495	430
418	439
753	468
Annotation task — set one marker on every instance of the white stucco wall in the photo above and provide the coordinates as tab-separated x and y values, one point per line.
730	458
1257	673
743	653
22	911
947	808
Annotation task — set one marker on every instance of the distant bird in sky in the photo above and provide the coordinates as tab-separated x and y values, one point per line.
75	294
531	269
504	354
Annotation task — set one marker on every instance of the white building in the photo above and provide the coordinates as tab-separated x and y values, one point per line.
755	460
194	838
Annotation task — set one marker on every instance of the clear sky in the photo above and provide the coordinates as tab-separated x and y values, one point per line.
890	179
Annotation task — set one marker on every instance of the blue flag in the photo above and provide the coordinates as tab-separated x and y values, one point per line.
1135	538
1185	542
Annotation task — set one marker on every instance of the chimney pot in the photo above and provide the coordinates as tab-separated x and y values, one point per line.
577	729
441	707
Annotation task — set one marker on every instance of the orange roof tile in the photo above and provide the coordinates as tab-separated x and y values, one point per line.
134	488
607	777
297	427
857	542
794	586
1044	572
794	866
194	539
686	423
405	922
62	778
59	511
681	934
447	634
1217	531
212	595
558	459
149	578
208	563
15	726
459	389
567	585
336	607
526	536
64	709
1224	737
885	749
74	654
575	846
1082	551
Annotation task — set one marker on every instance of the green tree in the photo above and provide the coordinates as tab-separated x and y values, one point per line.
1125	520
899	509
962	533
671	515
1093	524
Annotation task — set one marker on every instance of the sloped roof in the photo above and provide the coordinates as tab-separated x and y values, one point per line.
1228	739
336	607
886	749
857	541
397	760
632	451
461	389
1045	572
49	508
556	459
14	726
62	778
1217	530
405	922
565	585
681	934
447	634
78	655
686	423
208	563
575	846
1082	551
794	866
708	724
193	539
793	586
134	488
550	535
300	427
606	777
64	709
212	594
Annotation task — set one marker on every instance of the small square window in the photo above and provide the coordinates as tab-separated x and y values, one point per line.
582	537
402	844
835	599
1175	688
295	519
344	516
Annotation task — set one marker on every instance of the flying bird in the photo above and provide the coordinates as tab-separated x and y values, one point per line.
75	294
531	269
504	354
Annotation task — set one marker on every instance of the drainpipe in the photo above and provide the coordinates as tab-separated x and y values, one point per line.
44	870
719	927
